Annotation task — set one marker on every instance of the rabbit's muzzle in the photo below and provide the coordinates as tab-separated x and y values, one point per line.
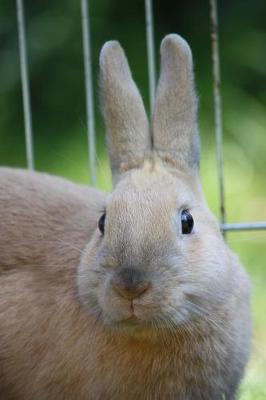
130	283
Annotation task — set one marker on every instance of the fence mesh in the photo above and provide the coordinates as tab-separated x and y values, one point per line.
85	21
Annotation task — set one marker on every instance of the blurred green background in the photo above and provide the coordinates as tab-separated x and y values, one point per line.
59	121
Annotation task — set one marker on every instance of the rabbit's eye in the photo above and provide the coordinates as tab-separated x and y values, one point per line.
101	224
187	222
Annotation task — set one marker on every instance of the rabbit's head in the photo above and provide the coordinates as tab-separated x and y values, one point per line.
157	258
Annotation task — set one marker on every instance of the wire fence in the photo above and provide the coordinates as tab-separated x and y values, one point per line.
85	21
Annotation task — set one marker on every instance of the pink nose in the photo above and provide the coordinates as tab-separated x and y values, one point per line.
130	283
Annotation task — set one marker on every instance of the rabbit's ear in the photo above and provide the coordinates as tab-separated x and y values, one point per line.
175	133
128	136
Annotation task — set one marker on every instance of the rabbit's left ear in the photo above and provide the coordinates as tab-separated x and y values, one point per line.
175	133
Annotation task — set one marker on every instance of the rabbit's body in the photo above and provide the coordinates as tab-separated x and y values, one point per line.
121	297
50	348
45	224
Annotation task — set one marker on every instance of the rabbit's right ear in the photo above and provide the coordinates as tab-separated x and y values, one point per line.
175	131
126	122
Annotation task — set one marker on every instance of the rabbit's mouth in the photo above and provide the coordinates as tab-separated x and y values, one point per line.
131	318
122	313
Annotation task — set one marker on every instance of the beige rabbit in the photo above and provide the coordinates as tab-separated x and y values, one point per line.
130	296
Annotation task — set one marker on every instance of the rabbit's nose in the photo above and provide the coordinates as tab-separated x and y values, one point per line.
130	283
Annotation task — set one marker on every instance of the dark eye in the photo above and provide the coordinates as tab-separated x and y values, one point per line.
101	224
187	222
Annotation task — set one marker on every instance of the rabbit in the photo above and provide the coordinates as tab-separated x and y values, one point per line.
130	295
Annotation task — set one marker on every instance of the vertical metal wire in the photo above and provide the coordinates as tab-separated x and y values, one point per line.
89	89
25	84
217	105
150	48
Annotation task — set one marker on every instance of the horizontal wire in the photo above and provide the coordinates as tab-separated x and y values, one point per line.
244	226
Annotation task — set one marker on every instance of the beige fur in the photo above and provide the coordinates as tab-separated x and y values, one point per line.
66	332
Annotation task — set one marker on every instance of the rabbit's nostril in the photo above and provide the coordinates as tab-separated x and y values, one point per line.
130	283
131	292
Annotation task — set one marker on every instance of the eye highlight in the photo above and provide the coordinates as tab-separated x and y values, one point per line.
187	222
101	224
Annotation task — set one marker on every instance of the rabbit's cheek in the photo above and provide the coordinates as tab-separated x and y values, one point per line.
171	305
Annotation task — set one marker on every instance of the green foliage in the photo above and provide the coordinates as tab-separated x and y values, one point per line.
58	103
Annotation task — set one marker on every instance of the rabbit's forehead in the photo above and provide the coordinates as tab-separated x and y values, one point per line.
148	192
142	213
